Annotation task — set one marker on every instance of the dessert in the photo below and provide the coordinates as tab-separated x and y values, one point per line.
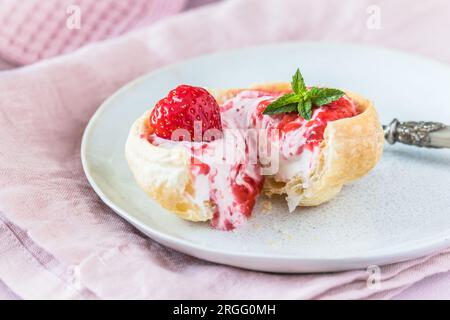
208	155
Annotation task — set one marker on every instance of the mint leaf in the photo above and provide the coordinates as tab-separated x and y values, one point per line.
301	108
287	99
284	109
308	109
322	96
298	84
304	108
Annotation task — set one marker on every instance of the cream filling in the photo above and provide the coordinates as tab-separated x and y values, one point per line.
239	113
284	151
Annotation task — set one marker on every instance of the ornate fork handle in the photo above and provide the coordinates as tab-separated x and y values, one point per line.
421	134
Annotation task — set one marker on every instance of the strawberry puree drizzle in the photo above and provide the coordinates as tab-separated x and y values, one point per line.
315	128
244	190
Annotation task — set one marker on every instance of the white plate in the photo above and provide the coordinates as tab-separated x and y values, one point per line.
401	210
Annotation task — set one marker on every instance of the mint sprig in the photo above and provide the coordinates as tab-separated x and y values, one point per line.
302	99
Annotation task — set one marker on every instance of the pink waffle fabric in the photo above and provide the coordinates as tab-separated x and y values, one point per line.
31	30
57	238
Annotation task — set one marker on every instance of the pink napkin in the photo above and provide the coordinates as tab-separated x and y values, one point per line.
58	240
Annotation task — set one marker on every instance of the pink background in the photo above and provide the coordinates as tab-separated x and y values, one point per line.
57	240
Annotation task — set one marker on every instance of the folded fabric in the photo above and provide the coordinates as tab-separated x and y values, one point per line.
58	240
34	29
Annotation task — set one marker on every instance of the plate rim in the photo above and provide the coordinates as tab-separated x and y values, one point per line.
392	254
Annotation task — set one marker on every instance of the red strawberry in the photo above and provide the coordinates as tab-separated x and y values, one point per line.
183	106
